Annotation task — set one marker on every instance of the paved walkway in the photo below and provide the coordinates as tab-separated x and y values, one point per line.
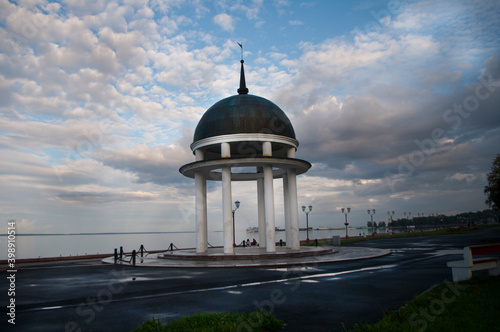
339	254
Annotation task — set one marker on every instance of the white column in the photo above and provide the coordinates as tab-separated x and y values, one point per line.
226	210
201	213
294	208
199	155
267	151
286	205
201	208
261	212
225	150
269	206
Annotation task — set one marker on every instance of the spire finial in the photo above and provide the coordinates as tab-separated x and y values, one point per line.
243	86
241	47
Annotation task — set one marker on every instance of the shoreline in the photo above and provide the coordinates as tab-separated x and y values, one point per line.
96	256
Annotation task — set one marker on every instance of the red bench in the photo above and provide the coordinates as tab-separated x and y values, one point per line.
475	259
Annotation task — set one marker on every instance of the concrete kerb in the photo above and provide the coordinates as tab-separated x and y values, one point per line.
248	253
339	254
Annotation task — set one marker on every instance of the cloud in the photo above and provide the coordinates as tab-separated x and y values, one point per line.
106	197
98	103
225	21
379	112
251	11
27	226
336	133
159	164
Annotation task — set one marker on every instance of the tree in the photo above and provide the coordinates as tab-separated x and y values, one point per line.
492	190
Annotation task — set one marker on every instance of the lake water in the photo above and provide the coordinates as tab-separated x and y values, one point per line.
39	245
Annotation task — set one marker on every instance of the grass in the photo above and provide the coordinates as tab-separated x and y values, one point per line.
223	322
466	306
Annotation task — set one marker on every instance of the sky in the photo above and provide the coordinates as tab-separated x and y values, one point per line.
395	104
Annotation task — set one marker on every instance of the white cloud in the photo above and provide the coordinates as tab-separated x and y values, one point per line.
105	96
26	226
259	24
251	11
462	177
225	21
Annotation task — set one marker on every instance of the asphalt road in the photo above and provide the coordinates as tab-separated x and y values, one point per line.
89	296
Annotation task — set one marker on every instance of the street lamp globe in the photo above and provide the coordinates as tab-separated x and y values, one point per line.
346	224
307	220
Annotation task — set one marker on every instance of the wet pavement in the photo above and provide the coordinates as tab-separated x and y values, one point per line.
91	296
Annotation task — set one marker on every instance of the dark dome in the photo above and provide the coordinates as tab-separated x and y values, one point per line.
243	114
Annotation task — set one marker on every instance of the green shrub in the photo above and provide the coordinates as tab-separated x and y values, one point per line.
152	325
215	322
466	306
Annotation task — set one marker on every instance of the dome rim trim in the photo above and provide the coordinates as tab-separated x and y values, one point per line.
244	137
207	167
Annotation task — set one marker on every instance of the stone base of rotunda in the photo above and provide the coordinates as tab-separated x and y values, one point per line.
247	253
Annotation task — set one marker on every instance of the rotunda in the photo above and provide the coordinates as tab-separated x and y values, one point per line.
246	138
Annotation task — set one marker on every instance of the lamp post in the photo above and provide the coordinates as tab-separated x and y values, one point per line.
346	224
237	204
392	222
307	219
420	217
371	215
